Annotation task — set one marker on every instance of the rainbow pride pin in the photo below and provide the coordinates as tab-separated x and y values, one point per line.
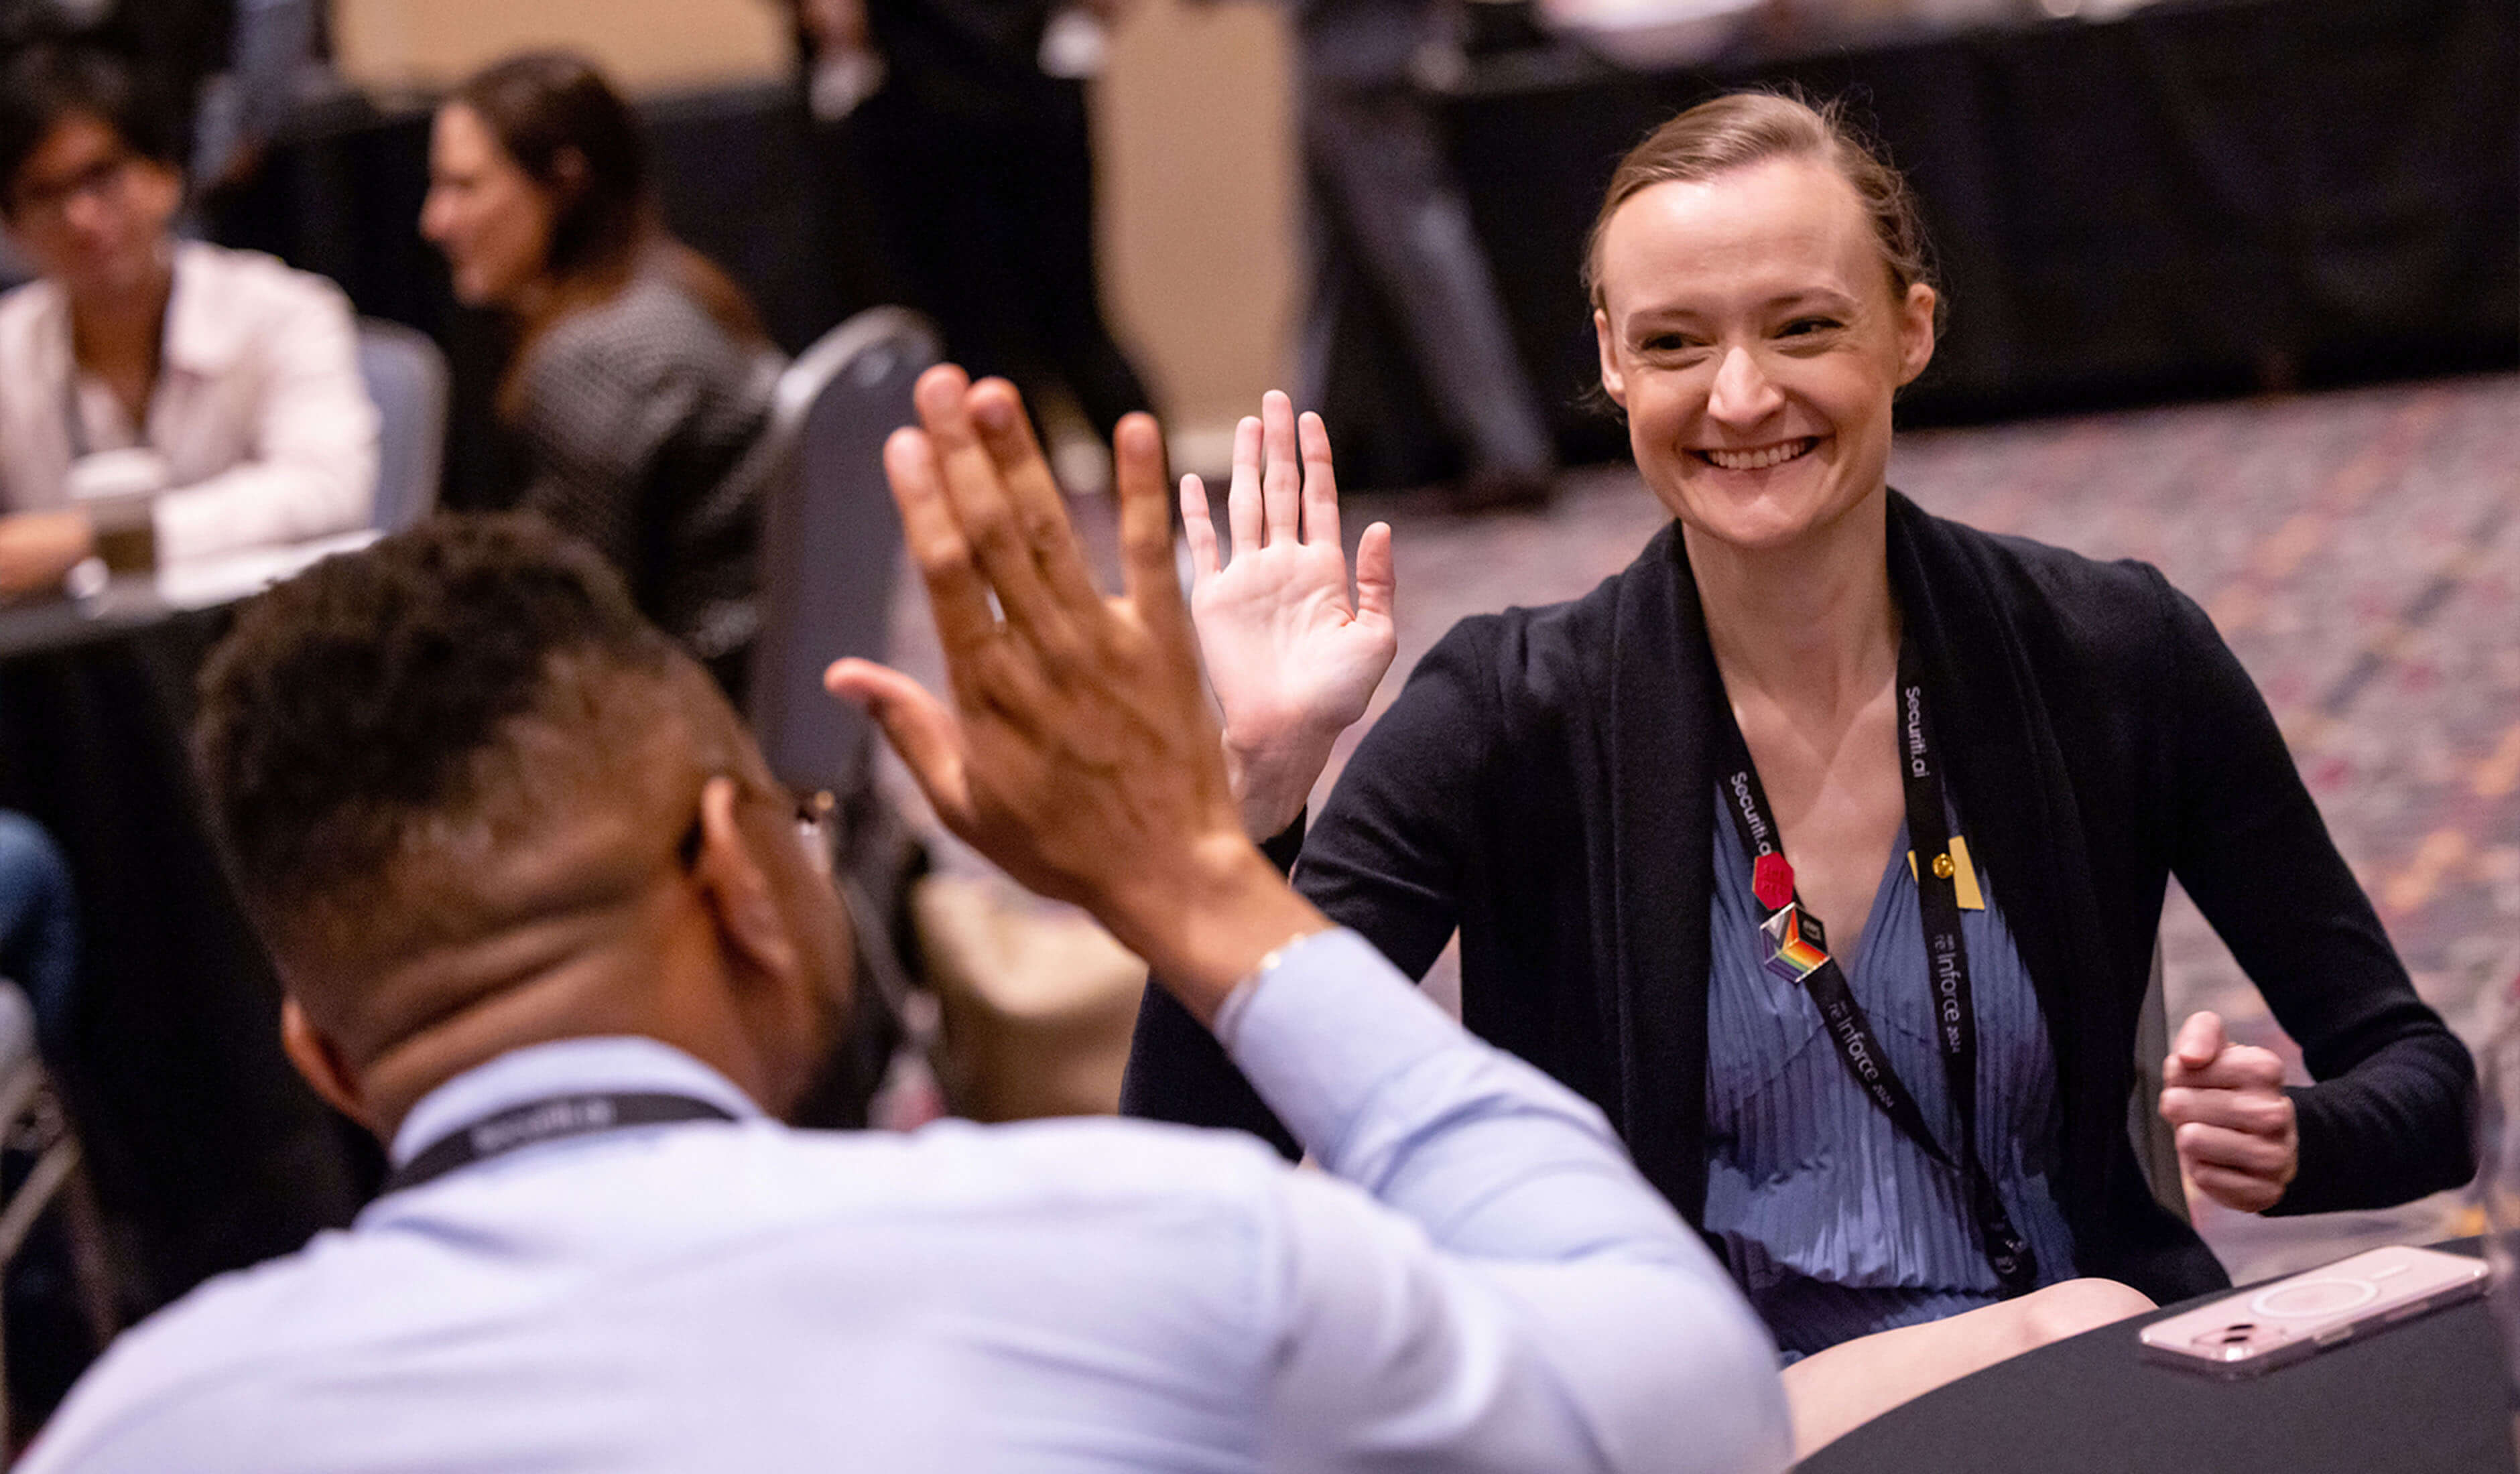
1792	956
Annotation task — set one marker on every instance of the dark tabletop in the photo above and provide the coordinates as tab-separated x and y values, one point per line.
206	1152
2428	1395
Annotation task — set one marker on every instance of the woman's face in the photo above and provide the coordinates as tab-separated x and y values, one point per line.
489	216
92	214
1752	334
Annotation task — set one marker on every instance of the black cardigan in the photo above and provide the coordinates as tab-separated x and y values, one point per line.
1543	782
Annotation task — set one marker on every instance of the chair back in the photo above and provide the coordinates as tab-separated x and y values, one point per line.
830	539
406	378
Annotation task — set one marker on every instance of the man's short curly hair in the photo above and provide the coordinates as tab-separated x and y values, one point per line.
369	698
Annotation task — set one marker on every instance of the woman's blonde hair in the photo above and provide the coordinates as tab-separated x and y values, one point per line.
1745	129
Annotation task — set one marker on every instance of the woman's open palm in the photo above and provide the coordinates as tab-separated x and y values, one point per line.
1292	658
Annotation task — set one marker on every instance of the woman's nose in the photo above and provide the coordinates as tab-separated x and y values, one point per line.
436	216
1743	393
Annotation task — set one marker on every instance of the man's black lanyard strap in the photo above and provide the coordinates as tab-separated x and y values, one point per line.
1798	952
551	1119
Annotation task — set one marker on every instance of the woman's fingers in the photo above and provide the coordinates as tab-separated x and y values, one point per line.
2263	1112
2237	1189
1040	512
1281	481
1243	493
919	727
2238	1068
1321	484
2239	1150
1376	587
2199	1039
1199	529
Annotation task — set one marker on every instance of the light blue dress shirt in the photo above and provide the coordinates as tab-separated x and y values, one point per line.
1075	1295
1835	1223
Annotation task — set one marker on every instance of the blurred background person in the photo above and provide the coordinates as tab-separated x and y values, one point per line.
640	375
981	164
180	399
234	64
1384	218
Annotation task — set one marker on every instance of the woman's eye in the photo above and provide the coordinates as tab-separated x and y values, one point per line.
1667	343
1804	327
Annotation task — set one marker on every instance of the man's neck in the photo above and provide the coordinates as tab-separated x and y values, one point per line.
1809	625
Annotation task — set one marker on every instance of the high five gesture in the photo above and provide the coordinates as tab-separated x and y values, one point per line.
1292	660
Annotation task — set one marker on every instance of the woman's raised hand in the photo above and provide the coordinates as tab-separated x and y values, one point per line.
1292	660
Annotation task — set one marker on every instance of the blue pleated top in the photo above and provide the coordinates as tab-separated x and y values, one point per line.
1835	1224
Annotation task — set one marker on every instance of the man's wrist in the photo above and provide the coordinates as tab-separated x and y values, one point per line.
1205	924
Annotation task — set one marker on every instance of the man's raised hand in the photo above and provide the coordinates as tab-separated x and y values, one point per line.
1078	752
1292	660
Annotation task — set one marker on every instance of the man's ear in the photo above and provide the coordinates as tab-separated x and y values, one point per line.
1613	382
736	889
319	1061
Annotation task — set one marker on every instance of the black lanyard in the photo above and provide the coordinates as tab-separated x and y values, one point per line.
1798	944
551	1119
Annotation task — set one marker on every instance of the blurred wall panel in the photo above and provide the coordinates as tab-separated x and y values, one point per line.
646	44
1194	121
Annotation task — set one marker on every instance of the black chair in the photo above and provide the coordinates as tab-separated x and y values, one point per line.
830	539
831	560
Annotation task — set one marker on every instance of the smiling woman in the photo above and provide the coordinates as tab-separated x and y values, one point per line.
1824	848
640	375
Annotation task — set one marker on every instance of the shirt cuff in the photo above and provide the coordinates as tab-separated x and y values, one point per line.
1325	1028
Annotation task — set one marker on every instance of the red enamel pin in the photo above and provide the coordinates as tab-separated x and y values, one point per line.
1771	880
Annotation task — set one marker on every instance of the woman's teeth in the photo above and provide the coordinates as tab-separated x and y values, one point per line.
1759	460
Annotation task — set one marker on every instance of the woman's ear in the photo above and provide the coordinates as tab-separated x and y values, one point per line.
1916	332
1613	382
569	172
319	1061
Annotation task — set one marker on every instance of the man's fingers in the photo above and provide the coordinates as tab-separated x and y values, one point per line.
1243	493
1199	529
1377	590
956	591
1153	585
919	727
2239	1150
2261	1113
1321	484
984	509
1040	510
2200	1039
1281	482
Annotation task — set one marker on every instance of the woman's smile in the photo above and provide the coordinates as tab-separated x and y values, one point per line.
1757	457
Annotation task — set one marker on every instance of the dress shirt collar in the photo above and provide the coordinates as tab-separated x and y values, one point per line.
205	334
563	1067
202	337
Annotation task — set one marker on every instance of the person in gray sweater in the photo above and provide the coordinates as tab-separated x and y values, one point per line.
641	375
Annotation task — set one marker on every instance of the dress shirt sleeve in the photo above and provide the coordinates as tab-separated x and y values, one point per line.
1386	859
2387	1121
313	471
1521	1299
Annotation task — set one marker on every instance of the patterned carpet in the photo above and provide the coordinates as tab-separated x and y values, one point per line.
2360	550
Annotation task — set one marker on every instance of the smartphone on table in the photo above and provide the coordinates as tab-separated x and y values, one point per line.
2255	1330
